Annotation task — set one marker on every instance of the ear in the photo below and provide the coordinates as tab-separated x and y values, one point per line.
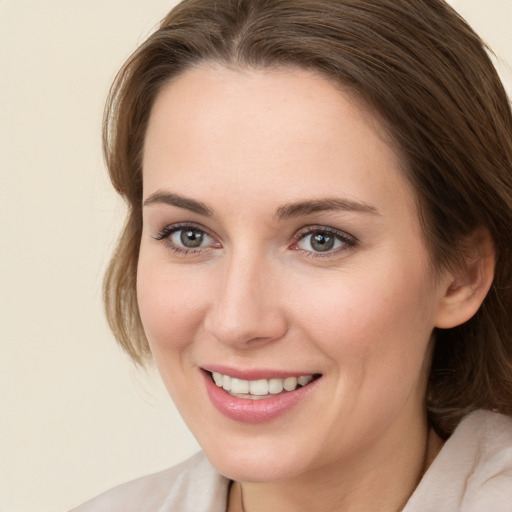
465	290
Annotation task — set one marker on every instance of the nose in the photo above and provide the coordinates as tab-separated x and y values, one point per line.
247	308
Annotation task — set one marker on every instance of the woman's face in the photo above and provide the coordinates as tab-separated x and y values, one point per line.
281	241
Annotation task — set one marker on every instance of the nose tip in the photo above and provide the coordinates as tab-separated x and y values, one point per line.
246	330
246	312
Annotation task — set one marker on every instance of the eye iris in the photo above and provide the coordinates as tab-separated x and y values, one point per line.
322	242
191	238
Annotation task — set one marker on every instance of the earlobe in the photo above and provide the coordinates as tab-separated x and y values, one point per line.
466	289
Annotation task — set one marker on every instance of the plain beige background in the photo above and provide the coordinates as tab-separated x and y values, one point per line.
75	417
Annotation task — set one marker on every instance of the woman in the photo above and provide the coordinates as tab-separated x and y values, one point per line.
317	255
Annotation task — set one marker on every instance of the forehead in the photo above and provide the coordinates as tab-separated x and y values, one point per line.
269	133
300	102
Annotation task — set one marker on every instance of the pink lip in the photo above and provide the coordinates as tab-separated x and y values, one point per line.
253	374
246	410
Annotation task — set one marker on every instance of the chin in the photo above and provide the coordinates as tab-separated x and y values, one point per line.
257	459
260	468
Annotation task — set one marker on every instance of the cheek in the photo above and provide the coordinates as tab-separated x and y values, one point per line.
382	317
170	305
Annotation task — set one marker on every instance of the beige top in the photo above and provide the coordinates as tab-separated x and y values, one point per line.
472	473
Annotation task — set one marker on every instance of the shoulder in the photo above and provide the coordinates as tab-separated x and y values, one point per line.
190	486
489	486
473	471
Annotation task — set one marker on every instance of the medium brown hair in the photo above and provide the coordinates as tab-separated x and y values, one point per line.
428	76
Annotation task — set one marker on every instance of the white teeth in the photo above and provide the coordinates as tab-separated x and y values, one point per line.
290	383
258	387
305	379
226	382
218	378
275	386
261	387
239	386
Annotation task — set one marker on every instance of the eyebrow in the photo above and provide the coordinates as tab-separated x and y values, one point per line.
168	198
330	204
286	211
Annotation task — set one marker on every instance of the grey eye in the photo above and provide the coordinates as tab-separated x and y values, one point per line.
322	242
319	241
190	238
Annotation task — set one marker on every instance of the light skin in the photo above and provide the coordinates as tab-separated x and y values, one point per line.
257	163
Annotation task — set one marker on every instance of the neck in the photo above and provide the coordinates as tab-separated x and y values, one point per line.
381	479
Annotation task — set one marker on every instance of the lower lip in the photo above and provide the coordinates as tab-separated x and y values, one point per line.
247	410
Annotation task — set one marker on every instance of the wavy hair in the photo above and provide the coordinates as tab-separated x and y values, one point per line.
429	77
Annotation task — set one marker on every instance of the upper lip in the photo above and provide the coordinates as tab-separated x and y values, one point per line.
255	373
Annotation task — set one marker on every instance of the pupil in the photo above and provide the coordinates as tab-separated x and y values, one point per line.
191	238
321	242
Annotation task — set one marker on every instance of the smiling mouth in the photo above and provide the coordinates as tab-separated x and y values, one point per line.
261	388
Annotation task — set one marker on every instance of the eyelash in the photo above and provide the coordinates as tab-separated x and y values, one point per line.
347	241
166	233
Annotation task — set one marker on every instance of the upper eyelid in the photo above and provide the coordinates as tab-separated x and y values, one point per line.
299	234
349	242
307	230
172	228
164	236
